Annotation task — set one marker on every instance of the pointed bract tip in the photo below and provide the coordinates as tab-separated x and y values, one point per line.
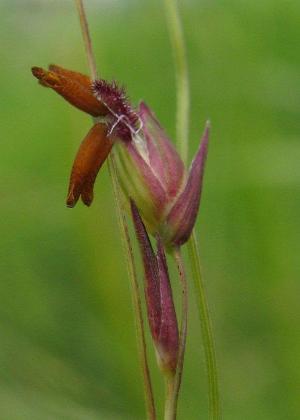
205	136
143	107
182	216
200	157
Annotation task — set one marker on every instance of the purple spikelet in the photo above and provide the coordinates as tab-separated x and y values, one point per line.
124	120
158	293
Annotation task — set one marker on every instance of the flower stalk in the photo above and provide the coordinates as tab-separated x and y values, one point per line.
170	407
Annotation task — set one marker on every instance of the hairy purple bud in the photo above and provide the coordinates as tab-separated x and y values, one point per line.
124	120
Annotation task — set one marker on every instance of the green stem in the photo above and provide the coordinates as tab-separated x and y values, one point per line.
183	97
137	306
87	39
169	403
173	384
182	77
206	327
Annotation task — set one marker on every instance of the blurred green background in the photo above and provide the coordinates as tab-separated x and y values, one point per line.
67	341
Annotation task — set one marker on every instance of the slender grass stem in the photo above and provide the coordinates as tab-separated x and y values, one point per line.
207	334
173	384
169	400
182	78
183	98
87	39
139	322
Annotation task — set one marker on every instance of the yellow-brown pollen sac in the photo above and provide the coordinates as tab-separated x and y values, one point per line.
75	87
92	152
